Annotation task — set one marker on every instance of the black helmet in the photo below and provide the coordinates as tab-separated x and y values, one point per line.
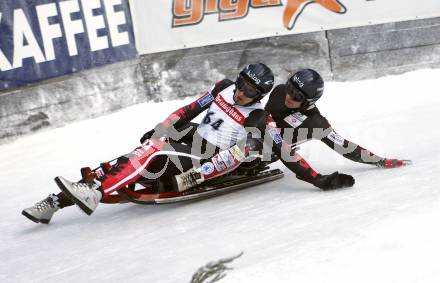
258	75
309	82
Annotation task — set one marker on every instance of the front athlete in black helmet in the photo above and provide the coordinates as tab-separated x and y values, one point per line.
230	107
292	106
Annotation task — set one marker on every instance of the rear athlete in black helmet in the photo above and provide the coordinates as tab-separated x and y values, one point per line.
292	106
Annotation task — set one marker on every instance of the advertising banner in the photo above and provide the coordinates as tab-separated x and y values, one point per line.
40	39
177	24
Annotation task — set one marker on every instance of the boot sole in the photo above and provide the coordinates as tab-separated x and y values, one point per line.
32	218
64	189
44	221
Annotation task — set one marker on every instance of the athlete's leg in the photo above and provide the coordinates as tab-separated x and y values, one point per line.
170	160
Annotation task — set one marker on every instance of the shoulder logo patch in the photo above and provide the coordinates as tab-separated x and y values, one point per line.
337	139
205	100
275	135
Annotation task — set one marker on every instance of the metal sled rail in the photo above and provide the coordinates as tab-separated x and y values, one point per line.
215	190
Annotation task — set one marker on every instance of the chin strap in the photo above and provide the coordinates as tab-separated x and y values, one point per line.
311	106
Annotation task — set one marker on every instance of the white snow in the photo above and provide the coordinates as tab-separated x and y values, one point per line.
385	229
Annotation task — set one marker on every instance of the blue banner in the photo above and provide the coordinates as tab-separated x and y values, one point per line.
40	39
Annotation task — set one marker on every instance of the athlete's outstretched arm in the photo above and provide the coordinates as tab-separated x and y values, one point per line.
324	132
357	153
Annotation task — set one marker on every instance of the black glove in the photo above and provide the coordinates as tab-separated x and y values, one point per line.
333	181
160	131
147	136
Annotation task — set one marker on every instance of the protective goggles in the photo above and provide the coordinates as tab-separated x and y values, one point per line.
247	88
295	93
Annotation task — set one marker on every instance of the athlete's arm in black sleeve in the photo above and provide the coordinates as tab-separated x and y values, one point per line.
357	153
350	150
344	147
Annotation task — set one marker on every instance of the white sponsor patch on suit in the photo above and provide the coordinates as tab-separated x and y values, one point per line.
237	153
227	158
205	99
219	164
337	139
295	119
207	168
275	135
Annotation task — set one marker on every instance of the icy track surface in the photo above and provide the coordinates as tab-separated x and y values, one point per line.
384	229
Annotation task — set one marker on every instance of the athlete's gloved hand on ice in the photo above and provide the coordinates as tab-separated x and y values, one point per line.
333	181
392	163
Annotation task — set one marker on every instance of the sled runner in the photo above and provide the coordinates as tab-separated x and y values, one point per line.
145	191
221	186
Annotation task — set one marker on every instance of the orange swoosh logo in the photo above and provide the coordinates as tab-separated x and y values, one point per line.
294	8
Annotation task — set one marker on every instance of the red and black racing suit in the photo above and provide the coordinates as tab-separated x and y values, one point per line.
308	124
